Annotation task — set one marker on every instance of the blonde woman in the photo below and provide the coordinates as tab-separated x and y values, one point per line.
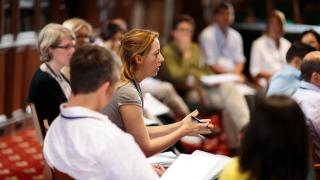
141	58
49	87
83	31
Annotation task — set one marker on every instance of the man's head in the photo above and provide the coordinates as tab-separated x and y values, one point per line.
223	15
310	68
182	28
296	53
111	33
93	70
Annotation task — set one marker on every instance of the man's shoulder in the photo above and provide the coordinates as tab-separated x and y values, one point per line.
207	32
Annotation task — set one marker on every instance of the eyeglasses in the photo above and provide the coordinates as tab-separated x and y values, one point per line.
66	47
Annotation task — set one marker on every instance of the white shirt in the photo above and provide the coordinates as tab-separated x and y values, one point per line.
87	145
308	98
265	56
226	50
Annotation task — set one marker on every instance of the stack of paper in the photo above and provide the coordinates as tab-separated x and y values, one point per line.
199	165
215	79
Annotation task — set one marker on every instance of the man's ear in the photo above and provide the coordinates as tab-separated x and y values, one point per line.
138	59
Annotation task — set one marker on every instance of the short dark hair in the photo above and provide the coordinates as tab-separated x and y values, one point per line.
222	6
90	67
183	18
275	144
298	49
311	31
109	29
308	67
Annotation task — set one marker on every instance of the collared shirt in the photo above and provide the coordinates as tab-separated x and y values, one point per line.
87	145
308	98
286	81
266	57
226	50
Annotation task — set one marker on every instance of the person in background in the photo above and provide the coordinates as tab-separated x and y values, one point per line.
110	36
275	144
287	80
221	44
82	30
308	96
104	151
183	61
268	52
49	87
141	57
311	37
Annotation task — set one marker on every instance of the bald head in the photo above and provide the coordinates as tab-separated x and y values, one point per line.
310	66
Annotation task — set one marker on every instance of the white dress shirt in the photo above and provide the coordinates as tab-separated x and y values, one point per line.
226	50
87	145
308	98
265	56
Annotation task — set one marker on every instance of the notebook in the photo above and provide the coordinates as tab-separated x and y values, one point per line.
199	165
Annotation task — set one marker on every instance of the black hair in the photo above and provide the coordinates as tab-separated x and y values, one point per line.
183	18
275	144
222	6
311	31
298	49
109	29
90	67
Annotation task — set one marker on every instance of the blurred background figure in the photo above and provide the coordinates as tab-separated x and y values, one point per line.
268	52
83	32
221	44
183	68
311	37
287	80
81	28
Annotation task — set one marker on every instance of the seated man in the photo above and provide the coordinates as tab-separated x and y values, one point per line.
287	80
308	95
84	143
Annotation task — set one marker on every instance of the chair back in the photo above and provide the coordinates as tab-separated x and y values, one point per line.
58	175
36	123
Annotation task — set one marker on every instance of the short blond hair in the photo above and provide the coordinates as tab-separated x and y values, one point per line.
75	24
134	42
51	35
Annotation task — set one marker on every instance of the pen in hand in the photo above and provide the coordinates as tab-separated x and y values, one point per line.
196	119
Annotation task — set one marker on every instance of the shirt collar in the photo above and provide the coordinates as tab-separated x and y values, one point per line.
293	70
78	111
309	86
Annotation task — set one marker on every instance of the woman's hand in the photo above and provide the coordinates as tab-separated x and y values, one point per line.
192	127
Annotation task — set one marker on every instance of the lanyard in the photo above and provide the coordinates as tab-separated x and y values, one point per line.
136	85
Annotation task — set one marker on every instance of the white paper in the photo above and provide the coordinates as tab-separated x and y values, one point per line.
215	79
153	106
165	158
190	167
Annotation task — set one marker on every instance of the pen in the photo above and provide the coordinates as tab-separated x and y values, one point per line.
196	119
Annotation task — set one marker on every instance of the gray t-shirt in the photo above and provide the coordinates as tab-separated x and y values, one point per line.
126	94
